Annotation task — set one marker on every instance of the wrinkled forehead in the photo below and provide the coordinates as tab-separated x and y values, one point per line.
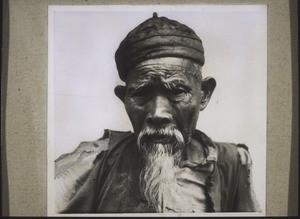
165	69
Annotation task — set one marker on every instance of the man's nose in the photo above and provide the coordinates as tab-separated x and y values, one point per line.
159	112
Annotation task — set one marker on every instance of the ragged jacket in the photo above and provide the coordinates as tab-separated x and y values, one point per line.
103	177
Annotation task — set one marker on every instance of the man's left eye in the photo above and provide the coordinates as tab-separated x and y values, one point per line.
179	94
176	92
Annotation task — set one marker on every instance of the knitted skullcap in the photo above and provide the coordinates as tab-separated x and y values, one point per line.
155	38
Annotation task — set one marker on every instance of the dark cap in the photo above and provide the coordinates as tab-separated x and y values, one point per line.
158	37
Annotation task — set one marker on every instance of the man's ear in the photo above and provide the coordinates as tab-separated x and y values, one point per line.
208	85
120	92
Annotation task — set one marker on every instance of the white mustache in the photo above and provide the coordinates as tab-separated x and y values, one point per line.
167	132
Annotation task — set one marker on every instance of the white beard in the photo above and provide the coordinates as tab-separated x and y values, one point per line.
157	179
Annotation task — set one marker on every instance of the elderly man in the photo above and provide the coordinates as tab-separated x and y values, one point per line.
166	165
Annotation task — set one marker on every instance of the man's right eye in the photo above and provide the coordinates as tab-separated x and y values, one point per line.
139	93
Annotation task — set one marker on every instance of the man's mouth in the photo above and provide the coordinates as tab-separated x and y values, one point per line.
162	140
166	136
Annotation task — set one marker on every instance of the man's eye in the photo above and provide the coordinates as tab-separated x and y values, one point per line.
178	95
139	93
178	92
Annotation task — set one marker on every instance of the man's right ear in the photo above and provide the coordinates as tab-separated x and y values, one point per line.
120	92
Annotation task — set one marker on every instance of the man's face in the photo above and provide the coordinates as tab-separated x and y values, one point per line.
163	98
164	92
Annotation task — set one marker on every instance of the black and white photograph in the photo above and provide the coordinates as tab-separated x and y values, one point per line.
157	109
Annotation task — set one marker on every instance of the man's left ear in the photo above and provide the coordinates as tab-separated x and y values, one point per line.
208	85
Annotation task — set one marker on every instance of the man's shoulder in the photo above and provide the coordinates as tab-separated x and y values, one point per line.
227	153
73	169
233	152
87	151
102	144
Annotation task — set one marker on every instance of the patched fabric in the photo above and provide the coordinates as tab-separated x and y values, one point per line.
72	169
244	154
217	183
189	195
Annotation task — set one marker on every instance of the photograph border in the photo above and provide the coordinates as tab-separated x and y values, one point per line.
25	133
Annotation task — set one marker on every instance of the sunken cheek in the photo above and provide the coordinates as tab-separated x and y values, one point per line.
137	114
188	115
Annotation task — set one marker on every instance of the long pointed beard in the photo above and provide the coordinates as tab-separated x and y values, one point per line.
157	179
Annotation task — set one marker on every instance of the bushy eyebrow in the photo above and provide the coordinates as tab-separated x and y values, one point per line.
175	83
138	85
178	83
165	82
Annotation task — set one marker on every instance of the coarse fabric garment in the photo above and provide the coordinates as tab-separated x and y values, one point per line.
111	185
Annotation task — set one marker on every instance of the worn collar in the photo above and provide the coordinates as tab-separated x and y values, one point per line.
206	147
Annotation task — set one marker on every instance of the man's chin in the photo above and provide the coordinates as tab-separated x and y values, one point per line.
161	141
152	147
167	140
157	177
156	149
